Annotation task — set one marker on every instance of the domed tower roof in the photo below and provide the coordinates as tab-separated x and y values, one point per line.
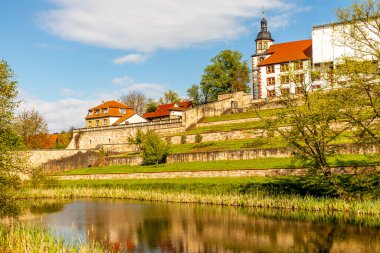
264	34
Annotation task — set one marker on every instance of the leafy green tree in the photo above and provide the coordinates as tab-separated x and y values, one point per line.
154	149
10	163
359	76
226	73
169	97
309	124
32	127
151	105
194	94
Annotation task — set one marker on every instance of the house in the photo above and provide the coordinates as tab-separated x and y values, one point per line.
168	111
112	113
272	64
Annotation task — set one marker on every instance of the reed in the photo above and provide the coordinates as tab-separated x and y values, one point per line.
19	237
257	198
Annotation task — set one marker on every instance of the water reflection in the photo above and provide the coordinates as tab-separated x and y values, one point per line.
156	227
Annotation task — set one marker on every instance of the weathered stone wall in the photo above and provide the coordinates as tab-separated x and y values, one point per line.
96	137
228	155
62	160
192	116
128	160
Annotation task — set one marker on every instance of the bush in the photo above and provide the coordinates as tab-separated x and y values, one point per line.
254	144
183	139
154	149
203	145
198	138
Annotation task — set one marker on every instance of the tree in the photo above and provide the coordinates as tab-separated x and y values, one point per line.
169	97
32	128
154	149
135	99
151	105
309	123
194	94
10	163
359	30
227	73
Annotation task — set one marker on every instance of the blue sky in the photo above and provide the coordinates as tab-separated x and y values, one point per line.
69	55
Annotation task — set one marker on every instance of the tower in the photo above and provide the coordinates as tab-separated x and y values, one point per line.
264	39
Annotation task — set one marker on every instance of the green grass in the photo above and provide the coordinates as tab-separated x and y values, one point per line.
262	163
263	192
243	115
226	128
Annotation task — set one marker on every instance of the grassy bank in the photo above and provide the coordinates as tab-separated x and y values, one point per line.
262	163
260	192
17	238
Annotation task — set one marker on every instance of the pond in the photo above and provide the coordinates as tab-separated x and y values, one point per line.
164	227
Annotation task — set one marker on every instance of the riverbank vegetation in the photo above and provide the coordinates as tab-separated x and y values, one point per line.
18	237
295	193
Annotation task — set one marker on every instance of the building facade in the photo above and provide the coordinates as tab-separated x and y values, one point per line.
112	113
168	111
279	69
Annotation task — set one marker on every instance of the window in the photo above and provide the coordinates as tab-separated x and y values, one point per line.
300	78
89	123
298	65
122	111
97	112
316	86
271	81
265	45
105	111
271	93
104	122
284	67
270	69
90	113
285	91
97	122
260	46
284	79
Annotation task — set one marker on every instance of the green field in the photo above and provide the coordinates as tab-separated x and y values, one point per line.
262	163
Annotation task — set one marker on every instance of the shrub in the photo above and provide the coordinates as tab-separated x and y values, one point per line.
183	139
203	145
154	149
254	144
198	138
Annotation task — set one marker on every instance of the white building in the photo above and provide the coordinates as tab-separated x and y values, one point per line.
273	63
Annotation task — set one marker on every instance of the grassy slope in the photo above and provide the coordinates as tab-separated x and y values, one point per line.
263	163
243	115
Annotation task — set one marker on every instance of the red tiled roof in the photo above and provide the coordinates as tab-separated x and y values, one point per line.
164	110
125	117
289	51
113	110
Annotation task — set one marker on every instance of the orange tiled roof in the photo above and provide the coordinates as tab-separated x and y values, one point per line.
113	110
125	117
164	110
289	51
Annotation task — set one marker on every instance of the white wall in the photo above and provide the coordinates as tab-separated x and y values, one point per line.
134	119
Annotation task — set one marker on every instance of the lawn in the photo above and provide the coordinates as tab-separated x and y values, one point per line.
262	163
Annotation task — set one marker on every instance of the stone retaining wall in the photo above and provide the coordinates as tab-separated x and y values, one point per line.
209	174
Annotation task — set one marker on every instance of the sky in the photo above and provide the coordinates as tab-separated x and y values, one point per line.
70	55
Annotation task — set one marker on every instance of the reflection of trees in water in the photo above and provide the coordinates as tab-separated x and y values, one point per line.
202	228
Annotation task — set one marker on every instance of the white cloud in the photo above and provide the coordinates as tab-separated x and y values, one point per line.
126	84
147	25
66	92
131	58
65	113
60	114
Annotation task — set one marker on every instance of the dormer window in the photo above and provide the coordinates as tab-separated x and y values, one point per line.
90	113
105	111
97	112
122	111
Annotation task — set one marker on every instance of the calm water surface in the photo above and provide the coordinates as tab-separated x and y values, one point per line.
160	227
